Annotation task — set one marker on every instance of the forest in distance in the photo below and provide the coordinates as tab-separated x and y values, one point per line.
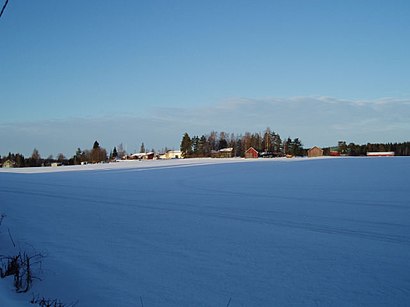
268	144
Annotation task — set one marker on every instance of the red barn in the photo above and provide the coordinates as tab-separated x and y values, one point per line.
251	153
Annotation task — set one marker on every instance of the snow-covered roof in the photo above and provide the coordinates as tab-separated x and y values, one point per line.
228	149
381	153
138	154
142	154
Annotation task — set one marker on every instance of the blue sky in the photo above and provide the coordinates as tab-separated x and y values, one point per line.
131	71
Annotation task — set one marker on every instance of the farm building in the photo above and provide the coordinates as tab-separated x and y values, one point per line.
222	153
380	154
8	164
171	154
251	153
143	156
266	154
315	152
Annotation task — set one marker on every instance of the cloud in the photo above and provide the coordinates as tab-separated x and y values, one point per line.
316	120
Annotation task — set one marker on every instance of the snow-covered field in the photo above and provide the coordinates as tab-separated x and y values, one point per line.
308	232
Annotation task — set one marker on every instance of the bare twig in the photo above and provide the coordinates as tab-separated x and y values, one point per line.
11	238
4	7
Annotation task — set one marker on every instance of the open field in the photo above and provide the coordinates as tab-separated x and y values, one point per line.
319	232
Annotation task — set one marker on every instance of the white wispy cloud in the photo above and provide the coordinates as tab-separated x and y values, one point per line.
316	120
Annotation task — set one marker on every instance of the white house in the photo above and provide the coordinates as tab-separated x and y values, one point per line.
171	154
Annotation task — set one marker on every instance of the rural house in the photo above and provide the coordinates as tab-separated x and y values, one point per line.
8	164
315	152
222	153
251	153
171	154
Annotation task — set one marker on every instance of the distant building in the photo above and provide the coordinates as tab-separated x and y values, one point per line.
8	164
266	154
315	152
149	155
251	153
171	154
222	153
143	156
136	156
380	154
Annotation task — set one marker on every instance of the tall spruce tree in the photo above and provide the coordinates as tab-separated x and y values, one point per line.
142	148
114	153
186	145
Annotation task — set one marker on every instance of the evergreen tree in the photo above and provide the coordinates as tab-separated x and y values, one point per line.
114	153
195	146
142	148
98	154
287	146
239	148
186	145
19	160
203	147
77	159
342	147
297	147
222	144
277	144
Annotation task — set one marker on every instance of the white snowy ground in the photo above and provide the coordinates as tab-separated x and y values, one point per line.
320	232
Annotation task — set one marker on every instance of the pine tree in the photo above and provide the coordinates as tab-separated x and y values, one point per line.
297	147
195	146
203	147
98	154
186	145
142	148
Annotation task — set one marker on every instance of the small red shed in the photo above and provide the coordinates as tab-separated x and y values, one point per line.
251	153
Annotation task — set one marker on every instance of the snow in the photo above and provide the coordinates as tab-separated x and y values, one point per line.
265	232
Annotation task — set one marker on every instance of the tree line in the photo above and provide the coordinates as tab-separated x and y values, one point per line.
352	149
95	155
269	142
